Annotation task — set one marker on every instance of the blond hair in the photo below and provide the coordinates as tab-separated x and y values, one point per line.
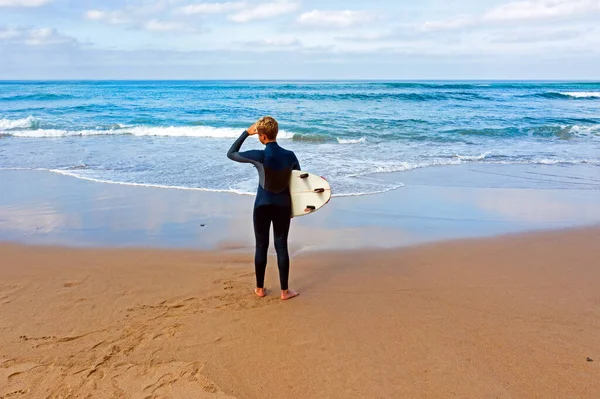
268	126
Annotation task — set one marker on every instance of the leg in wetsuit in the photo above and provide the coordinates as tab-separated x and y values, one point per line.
280	218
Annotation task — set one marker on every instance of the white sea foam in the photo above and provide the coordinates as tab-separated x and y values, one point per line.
472	157
229	191
193	131
352	141
563	161
42	133
172	131
368	182
372	192
24	123
79	176
582	94
585	130
393	167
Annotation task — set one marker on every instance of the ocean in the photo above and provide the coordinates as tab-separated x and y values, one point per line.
176	133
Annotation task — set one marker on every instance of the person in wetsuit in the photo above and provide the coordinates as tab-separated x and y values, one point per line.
273	201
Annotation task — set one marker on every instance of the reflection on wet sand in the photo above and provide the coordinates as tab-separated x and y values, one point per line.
40	207
547	206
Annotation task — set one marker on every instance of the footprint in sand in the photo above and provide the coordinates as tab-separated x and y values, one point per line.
44	338
7	293
15	393
11	370
189	306
176	376
245	274
51	339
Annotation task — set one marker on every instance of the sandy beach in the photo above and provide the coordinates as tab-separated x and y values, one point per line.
505	317
468	282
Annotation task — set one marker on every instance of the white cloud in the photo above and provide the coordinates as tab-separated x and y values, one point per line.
110	17
34	37
336	19
279	42
539	35
43	36
368	37
211	8
519	11
136	19
447	24
9	33
162	26
167	15
540	9
264	10
24	3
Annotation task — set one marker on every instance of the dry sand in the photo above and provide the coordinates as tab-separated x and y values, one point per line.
508	317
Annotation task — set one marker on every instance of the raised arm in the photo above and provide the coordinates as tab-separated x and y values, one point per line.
252	156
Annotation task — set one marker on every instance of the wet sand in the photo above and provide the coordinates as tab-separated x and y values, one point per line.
505	317
44	208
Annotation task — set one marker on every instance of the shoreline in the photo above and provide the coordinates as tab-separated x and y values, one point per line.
502	317
435	204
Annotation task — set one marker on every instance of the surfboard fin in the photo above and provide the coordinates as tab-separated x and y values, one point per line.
304	175
319	190
310	208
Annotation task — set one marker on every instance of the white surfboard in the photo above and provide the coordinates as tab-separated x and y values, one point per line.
309	192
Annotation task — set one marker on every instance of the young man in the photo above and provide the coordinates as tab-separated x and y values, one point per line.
273	201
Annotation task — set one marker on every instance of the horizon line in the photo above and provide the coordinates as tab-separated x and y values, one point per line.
298	80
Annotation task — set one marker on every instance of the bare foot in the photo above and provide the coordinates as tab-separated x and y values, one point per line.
288	294
261	292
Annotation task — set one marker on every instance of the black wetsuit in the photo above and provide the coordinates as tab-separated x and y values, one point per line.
272	204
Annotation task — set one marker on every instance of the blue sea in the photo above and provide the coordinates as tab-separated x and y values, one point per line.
176	133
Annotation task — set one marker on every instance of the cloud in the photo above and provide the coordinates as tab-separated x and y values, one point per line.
163	26
46	36
538	35
35	37
167	15
263	11
541	9
448	24
279	43
8	34
414	60
211	8
111	17
368	37
136	19
336	19
518	11
24	3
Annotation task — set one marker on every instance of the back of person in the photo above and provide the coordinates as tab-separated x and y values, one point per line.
277	166
273	201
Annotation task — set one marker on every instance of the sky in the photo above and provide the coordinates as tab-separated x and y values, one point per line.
300	39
